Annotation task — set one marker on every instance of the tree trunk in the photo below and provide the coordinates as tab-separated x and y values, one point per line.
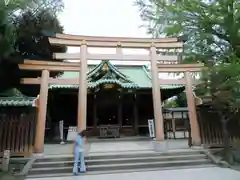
228	156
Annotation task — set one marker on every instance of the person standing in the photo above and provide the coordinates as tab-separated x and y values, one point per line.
79	153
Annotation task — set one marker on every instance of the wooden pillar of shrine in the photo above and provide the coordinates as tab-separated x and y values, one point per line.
156	94
82	93
195	131
135	114
95	114
42	111
120	111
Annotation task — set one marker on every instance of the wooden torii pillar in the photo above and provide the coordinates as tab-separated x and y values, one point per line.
157	101
82	91
42	111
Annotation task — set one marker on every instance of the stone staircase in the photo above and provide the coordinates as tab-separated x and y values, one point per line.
120	162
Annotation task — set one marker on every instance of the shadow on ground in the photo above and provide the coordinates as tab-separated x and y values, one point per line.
9	176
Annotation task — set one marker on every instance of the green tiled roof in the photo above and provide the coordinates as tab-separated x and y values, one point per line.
135	76
14	97
11	93
141	76
9	101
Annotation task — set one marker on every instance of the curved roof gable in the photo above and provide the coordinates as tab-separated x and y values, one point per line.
105	73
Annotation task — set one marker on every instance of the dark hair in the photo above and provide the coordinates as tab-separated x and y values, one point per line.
83	133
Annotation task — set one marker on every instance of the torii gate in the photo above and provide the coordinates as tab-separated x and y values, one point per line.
159	63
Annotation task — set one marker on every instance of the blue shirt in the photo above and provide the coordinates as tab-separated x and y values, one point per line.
79	142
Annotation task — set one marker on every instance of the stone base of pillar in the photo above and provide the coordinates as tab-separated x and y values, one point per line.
160	139
159	134
197	148
196	142
160	146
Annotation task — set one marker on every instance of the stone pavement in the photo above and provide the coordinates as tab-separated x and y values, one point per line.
213	173
101	147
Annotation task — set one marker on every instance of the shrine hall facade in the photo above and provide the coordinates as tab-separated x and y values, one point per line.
118	95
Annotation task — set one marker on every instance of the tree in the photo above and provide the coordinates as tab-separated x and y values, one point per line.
223	82
7	40
20	6
6	27
53	6
212	27
18	41
32	44
11	11
181	100
178	101
170	103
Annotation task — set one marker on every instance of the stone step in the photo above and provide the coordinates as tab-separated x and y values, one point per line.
110	162
119	160
33	176
122	139
114	155
122	166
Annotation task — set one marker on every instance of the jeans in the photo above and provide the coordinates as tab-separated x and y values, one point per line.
79	156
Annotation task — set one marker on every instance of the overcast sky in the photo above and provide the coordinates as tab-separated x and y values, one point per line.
102	18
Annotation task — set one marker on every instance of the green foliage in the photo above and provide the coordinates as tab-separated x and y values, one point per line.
30	43
7	41
13	14
181	100
7	37
21	6
212	27
223	84
224	89
170	104
21	22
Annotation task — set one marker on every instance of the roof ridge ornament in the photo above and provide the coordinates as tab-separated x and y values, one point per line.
105	67
119	44
153	44
84	42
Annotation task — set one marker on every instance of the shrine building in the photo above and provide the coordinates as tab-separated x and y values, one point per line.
119	95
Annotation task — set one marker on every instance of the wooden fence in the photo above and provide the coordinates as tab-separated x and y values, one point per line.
211	127
17	133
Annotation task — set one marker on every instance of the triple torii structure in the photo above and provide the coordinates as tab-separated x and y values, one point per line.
159	63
